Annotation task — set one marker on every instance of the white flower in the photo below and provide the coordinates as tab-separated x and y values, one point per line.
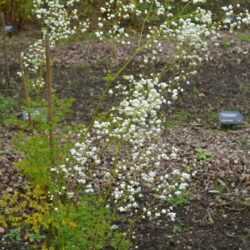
70	194
149	214
163	211
114	227
183	186
177	192
172	216
199	1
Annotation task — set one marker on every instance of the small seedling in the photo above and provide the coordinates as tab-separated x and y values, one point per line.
179	200
226	44
245	38
14	235
181	117
221	191
177	229
212	116
203	154
242	142
245	203
33	237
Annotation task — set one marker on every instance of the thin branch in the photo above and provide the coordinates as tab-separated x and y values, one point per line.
49	90
6	62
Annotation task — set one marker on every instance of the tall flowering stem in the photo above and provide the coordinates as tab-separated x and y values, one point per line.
49	92
7	70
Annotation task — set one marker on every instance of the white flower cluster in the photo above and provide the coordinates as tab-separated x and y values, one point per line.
235	19
194	1
33	57
115	14
193	34
138	173
56	18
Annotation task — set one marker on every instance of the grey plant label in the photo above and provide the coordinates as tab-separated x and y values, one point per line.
230	118
35	114
9	28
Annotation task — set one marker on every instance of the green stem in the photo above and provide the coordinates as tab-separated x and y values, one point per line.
113	78
144	23
6	62
49	97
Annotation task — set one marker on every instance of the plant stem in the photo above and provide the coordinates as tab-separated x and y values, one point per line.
119	72
25	90
49	94
144	23
7	70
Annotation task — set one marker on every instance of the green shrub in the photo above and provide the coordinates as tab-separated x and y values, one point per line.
7	107
22	216
36	163
86	225
38	158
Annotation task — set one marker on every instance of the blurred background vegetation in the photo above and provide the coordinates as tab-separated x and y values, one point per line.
19	12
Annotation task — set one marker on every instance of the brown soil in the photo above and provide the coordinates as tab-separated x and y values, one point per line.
218	213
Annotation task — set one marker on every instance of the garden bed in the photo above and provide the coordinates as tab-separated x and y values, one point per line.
216	212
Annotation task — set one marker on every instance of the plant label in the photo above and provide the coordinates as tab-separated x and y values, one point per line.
230	118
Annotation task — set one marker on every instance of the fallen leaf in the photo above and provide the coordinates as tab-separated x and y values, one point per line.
126	77
9	190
